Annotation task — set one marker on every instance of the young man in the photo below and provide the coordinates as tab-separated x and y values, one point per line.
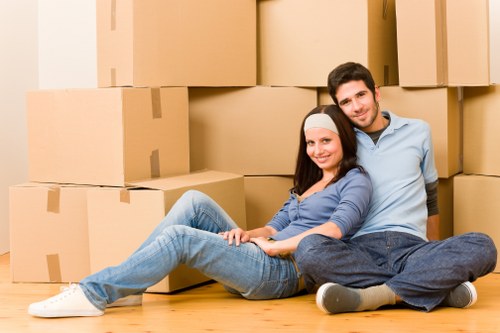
396	255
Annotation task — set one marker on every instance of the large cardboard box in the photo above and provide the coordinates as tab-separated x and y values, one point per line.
48	233
448	42
467	37
120	219
476	206
176	43
249	131
107	136
481	130
264	197
440	108
300	42
421	43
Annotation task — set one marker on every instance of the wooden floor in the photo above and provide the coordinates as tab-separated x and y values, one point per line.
210	309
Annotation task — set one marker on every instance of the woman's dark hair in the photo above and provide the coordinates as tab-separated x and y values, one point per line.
307	173
349	71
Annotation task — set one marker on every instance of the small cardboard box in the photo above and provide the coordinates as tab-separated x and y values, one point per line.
248	131
481	130
440	108
152	43
120	219
300	42
107	136
476	206
48	233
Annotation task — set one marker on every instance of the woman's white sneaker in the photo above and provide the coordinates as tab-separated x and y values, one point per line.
71	302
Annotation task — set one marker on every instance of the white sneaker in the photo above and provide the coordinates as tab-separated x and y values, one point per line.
71	302
130	300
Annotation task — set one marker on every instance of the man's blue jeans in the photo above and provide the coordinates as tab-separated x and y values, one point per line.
189	235
421	273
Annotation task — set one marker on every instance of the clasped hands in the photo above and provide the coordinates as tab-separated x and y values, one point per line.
238	236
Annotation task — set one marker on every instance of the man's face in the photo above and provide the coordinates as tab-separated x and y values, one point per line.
360	106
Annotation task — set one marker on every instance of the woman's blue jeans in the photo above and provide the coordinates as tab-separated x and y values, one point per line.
189	235
421	273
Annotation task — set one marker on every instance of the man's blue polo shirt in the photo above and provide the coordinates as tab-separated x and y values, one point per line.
399	165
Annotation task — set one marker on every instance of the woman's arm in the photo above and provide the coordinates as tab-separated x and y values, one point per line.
274	248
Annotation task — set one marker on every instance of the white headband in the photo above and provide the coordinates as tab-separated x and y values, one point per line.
321	120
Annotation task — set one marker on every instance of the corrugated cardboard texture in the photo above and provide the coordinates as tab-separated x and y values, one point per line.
107	136
176	43
248	131
300	42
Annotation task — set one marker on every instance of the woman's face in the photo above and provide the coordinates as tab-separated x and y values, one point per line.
324	148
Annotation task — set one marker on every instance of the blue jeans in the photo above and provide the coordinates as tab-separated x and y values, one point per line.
189	235
421	273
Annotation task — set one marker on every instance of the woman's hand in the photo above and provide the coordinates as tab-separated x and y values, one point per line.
270	247
236	236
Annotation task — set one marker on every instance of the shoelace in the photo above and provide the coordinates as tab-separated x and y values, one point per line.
64	292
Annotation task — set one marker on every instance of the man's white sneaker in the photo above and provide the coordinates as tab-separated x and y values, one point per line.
130	300
71	302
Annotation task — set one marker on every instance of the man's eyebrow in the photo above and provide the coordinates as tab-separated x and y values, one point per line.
344	100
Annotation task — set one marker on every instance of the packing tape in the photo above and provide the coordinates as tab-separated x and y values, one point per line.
124	196
113	15
53	199
156	101
54	266
154	159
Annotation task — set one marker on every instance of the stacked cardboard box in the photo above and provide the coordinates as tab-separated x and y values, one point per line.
128	136
455	43
448	42
190	85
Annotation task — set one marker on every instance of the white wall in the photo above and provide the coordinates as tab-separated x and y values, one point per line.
44	44
67	44
18	73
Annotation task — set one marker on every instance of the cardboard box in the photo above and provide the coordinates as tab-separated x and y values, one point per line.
107	136
48	233
264	197
421	43
476	206
300	42
440	108
494	33
448	42
467	37
176	43
131	214
481	131
249	131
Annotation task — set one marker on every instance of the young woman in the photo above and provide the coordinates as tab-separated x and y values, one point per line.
330	196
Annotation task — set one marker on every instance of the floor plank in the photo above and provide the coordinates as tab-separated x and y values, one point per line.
210	309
